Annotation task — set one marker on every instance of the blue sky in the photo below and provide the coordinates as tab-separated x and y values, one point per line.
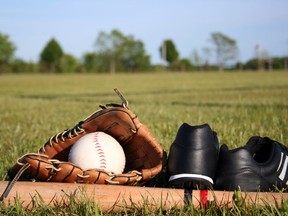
76	24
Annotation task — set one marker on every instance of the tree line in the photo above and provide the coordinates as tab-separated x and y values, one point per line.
116	52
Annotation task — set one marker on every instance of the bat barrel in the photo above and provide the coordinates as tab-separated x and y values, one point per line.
107	197
118	198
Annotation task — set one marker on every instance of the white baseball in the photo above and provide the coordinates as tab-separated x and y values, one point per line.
98	150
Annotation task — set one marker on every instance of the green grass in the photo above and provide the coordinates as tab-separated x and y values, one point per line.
236	105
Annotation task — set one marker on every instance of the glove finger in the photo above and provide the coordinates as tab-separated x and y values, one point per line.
65	172
94	176
131	178
37	170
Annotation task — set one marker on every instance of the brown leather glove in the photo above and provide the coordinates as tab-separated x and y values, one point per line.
144	155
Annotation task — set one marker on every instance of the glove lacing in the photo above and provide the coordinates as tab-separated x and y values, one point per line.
66	134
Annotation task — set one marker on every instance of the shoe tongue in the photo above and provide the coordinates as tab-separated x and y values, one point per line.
253	145
260	148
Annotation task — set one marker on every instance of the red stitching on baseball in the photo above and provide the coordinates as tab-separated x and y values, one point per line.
100	152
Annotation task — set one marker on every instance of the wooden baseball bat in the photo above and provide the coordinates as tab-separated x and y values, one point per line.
117	197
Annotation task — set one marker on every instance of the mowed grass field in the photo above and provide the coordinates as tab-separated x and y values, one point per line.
237	105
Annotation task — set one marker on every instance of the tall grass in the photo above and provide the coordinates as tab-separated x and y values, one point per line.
236	105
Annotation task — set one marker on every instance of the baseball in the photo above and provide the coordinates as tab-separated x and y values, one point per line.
98	150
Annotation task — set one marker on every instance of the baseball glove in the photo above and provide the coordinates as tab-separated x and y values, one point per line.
144	155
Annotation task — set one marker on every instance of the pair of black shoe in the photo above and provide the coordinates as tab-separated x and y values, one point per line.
195	161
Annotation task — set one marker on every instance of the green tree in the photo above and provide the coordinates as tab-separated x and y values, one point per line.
109	47
168	51
50	56
251	64
89	62
226	48
68	63
115	51
133	55
21	66
7	49
181	65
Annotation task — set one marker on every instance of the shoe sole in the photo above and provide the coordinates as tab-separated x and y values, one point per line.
187	180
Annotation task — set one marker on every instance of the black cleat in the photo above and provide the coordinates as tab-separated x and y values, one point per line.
193	157
260	165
